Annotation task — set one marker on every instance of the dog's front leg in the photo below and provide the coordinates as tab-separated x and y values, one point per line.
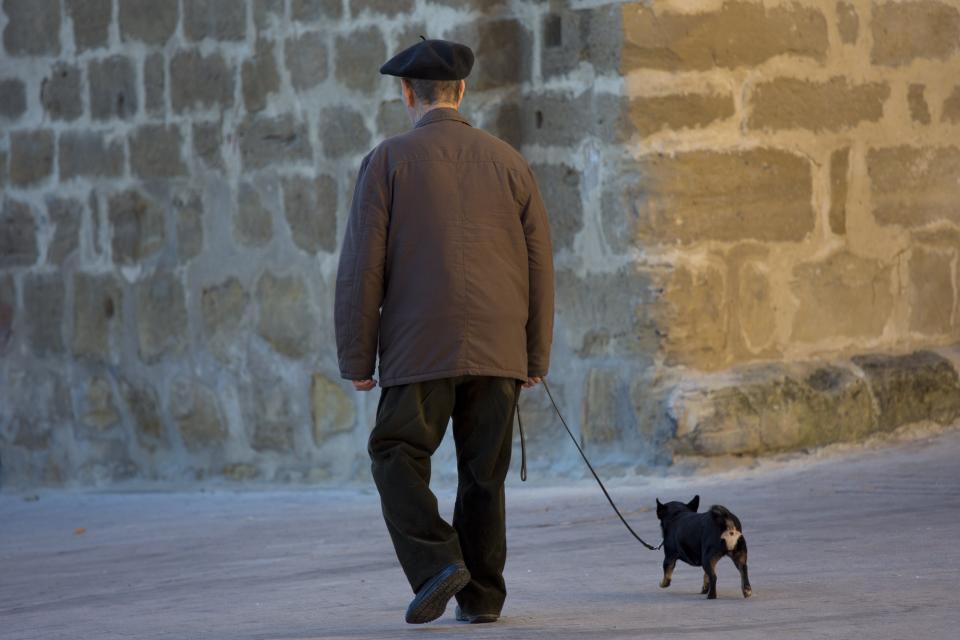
668	565
711	570
706	582
739	557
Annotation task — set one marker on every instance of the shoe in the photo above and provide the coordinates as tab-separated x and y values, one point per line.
431	600
476	618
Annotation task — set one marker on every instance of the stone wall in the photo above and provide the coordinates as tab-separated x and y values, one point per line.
754	206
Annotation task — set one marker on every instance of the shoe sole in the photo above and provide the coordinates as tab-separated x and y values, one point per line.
435	604
482	618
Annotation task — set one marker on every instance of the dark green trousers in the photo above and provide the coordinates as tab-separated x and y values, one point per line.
411	421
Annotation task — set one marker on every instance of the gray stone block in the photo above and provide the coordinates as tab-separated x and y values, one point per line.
343	132
503	50
148	21
60	93
66	215
315	10
207	142
91	22
97	407
310	206
306	58
585	35
13	98
18	235
43	295
287	319
224	310
161	317
154	84
31	156
88	153
8	309
266	141
266	10
392	119
253	225
197	414
113	89
200	81
332	410
357	68
156	151
143	403
33	27
382	7
189	211
560	188
216	19
97	315
260	77
137	228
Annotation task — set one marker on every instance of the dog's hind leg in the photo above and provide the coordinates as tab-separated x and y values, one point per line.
668	565
706	583
739	557
711	570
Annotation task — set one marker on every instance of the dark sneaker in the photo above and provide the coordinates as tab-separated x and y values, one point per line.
476	618
431	600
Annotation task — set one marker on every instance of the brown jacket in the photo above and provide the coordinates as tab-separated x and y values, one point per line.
446	260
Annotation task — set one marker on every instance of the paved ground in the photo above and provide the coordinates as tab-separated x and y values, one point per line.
863	545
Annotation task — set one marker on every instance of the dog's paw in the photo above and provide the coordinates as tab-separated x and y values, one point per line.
712	596
664	583
747	592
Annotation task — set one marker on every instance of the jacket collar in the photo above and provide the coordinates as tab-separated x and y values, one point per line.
441	113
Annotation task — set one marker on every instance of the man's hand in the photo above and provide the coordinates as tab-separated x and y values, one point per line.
532	382
364	385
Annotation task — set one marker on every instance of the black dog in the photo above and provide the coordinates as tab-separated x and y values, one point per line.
701	539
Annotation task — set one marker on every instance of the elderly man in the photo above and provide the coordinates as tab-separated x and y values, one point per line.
447	267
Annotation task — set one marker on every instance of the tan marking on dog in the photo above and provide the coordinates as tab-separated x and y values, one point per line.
730	536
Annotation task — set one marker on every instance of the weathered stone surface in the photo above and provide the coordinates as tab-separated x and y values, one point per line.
688	110
698	195
8	309
503	50
909	388
137	227
156	151
240	471
608	417
200	82
315	10
356	67
98	408
287	319
844	295
307	59
694	317
65	215
585	35
3	168
560	188
557	118
154	83
18	235
216	19
267	141
385	7
848	22
790	103
260	77
148	20
919	111
161	316
189	215
113	89
60	92
755	308
931	291
13	98
31	156
144	405
91	22
903	31
950	111
33	27
310	206
97	315
770	409
392	119
606	314
43	295
42	406
264	11
224	308
253	225
90	154
207	142
343	132
332	410
740	34
197	414
268	409
839	167
911	186
481	6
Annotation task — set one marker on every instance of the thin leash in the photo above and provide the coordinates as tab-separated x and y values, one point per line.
523	466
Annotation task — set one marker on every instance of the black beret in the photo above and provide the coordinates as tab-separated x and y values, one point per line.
431	60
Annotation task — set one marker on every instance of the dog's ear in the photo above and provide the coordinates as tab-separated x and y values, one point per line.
660	509
694	504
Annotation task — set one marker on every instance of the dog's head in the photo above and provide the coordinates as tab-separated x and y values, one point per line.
670	509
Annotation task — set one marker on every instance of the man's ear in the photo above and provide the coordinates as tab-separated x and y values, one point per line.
407	91
694	504
463	89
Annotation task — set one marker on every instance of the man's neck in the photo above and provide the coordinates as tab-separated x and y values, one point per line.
422	109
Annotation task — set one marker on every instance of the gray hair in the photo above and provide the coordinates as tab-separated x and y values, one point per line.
433	91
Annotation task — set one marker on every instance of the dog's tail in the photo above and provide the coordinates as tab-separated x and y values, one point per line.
724	518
